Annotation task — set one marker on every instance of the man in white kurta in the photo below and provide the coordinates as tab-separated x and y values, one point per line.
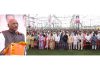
75	37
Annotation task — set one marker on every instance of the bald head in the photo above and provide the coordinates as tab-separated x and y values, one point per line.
12	21
13	24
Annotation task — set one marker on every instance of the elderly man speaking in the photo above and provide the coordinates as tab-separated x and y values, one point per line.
11	35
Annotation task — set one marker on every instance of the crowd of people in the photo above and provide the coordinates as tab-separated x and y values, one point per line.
64	39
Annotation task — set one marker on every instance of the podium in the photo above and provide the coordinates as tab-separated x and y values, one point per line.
15	49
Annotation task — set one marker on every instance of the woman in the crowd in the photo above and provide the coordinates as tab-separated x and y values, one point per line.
70	41
47	42
36	42
44	40
41	38
32	41
98	40
84	39
51	42
28	37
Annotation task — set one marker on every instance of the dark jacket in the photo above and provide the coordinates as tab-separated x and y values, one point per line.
12	37
93	40
65	38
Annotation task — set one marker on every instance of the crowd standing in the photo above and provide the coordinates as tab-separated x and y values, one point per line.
63	39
